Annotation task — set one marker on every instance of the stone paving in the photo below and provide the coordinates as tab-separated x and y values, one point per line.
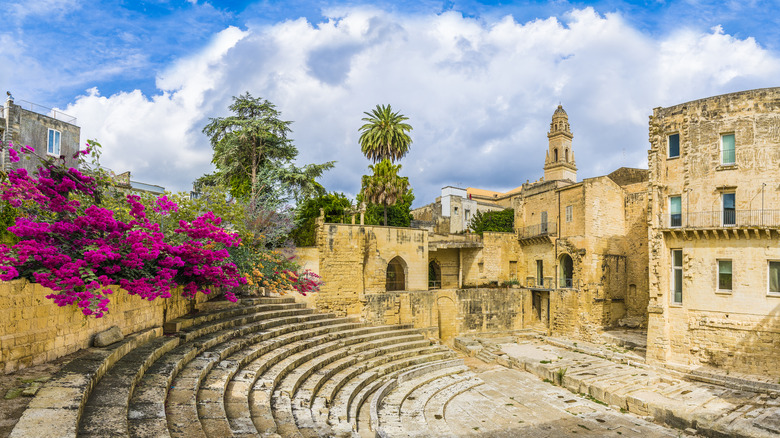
656	394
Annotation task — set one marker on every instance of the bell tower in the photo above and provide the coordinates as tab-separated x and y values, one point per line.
559	163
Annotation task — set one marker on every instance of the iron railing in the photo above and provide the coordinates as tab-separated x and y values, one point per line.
566	282
40	109
723	219
433	284
542	229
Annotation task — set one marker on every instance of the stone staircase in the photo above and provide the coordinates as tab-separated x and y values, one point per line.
267	367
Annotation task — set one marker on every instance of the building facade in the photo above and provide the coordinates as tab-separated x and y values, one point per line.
48	132
714	236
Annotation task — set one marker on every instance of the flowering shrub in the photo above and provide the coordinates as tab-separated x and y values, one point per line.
70	244
274	270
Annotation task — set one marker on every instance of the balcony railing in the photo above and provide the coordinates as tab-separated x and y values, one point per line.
723	218
539	283
543	229
433	284
40	109
565	282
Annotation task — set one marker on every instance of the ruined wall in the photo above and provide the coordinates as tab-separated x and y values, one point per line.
498	253
353	262
447	313
449	263
737	330
308	257
33	329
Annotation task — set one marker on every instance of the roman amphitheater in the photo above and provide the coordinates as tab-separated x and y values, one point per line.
645	302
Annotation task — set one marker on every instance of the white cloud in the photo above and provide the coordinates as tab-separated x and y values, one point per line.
478	93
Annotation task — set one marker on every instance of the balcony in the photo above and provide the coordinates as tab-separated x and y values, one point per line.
723	223
539	233
545	283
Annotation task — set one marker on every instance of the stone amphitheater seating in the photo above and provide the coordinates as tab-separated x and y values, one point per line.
267	367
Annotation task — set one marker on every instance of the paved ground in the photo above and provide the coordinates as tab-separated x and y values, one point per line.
515	403
662	395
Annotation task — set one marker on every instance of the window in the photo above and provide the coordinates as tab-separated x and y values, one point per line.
53	145
468	215
569	213
727	149
729	210
675	211
513	270
724	275
555	153
567	155
677	276
543	228
673	143
774	277
539	273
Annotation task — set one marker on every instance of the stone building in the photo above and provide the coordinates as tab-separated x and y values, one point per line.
49	132
714	227
575	263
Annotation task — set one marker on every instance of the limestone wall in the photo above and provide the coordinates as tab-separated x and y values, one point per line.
737	330
353	263
447	313
308	258
33	329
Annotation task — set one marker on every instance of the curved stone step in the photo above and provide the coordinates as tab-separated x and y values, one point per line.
339	411
350	344
245	307
183	410
421	381
57	407
256	360
147	415
434	417
105	413
298	352
304	402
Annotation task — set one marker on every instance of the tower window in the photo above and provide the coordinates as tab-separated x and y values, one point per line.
727	149
673	142
555	154
566	152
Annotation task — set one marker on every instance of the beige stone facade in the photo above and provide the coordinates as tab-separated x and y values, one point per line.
714	256
576	261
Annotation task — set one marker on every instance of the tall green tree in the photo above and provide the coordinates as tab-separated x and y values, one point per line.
253	141
503	221
384	136
336	206
384	187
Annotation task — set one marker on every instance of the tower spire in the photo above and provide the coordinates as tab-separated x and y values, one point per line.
559	163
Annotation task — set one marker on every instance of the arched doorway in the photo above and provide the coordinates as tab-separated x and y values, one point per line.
396	275
434	275
565	271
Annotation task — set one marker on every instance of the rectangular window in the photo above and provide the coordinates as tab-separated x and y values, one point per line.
774	277
675	211
729	209
724	275
539	273
727	149
543	228
677	276
569	213
673	141
53	143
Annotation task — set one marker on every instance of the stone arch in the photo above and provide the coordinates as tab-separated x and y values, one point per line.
447	316
565	271
434	274
396	274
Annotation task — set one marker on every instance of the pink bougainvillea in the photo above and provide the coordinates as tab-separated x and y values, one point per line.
78	250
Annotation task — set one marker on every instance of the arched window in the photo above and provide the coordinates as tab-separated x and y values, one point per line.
565	272
396	275
567	155
434	275
555	154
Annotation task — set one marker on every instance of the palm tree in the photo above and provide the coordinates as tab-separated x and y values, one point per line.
384	187
384	136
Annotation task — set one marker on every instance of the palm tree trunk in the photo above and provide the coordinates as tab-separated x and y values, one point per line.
385	215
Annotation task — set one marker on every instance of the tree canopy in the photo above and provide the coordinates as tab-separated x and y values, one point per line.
384	187
337	209
255	140
384	136
503	221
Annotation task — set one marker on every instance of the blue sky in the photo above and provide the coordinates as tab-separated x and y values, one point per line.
478	79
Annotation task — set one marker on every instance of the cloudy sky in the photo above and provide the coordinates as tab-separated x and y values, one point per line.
479	80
